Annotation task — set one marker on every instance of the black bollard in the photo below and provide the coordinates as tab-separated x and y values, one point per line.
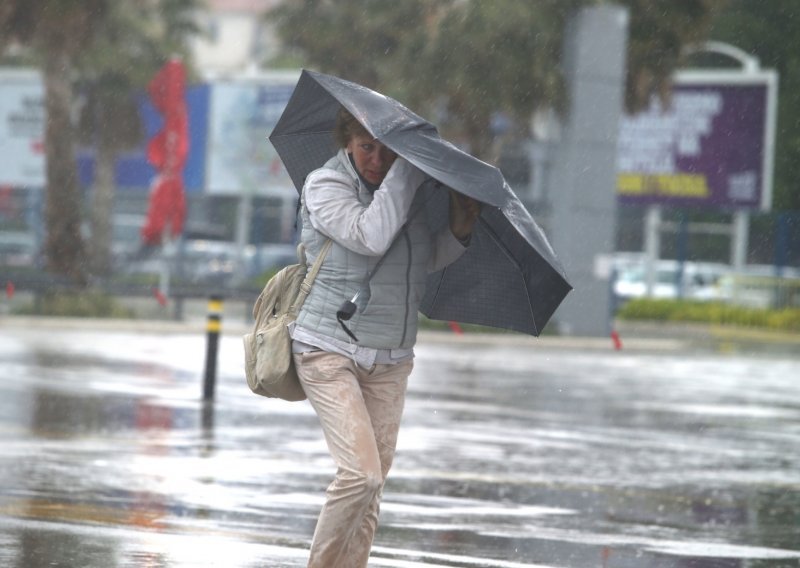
213	327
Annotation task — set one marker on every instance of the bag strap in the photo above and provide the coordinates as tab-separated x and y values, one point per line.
311	275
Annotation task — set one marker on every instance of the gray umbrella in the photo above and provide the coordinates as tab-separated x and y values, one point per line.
509	277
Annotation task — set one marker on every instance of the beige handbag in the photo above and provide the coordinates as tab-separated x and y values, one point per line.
269	366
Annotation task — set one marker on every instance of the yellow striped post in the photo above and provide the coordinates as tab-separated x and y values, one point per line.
213	328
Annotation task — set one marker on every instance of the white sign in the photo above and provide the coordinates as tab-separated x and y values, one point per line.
22	124
240	157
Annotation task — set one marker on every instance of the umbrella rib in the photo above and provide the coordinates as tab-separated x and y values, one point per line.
439	286
494	236
293	134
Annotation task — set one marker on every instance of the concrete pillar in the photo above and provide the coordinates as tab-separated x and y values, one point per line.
652	246
582	193
739	239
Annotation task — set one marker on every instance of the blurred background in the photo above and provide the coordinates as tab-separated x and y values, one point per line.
656	141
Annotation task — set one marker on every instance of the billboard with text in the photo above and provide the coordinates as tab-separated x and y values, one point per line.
242	115
712	146
22	121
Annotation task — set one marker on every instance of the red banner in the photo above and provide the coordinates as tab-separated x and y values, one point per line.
167	152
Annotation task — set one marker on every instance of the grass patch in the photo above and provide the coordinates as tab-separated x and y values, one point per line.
83	304
437	325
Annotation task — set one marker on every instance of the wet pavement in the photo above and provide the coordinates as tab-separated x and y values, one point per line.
517	454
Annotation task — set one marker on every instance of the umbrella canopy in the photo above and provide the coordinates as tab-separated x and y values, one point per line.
509	276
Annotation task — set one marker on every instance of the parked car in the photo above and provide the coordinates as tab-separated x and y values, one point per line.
700	280
126	235
761	286
17	249
211	262
272	256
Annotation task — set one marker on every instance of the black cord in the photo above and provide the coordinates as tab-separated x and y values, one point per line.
344	314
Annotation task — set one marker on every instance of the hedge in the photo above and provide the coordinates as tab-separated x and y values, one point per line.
786	319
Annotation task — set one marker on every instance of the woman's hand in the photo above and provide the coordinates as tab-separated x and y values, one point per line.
464	211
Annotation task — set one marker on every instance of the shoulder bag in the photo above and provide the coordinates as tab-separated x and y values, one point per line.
269	366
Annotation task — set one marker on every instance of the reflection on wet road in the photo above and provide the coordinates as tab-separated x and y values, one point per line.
510	456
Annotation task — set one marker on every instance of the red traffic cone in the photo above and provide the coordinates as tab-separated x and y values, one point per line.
455	328
162	299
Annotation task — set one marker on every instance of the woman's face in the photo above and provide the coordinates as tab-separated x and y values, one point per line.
372	158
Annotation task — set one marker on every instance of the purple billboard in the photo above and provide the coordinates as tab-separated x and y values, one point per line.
711	146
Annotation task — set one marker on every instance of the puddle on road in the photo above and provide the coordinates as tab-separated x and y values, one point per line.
507	459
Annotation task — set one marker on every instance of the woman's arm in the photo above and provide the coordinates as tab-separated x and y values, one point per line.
336	212
451	243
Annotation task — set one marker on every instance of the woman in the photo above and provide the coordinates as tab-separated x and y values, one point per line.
370	202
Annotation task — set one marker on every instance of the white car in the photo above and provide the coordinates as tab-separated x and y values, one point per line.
699	282
761	286
17	249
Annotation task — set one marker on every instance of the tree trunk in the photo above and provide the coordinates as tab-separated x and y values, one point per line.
479	137
103	198
474	122
63	247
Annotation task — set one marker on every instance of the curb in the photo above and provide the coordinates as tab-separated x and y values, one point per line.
634	336
715	337
553	342
126	325
238	328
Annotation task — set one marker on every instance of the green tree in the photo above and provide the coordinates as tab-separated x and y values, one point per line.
485	57
659	31
364	40
465	60
771	32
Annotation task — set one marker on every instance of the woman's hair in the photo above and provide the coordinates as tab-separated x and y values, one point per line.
347	127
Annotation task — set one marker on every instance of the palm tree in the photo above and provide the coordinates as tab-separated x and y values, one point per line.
110	48
58	30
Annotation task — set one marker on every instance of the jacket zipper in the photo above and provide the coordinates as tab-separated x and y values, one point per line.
408	286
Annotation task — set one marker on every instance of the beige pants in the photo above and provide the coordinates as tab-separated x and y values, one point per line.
359	410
